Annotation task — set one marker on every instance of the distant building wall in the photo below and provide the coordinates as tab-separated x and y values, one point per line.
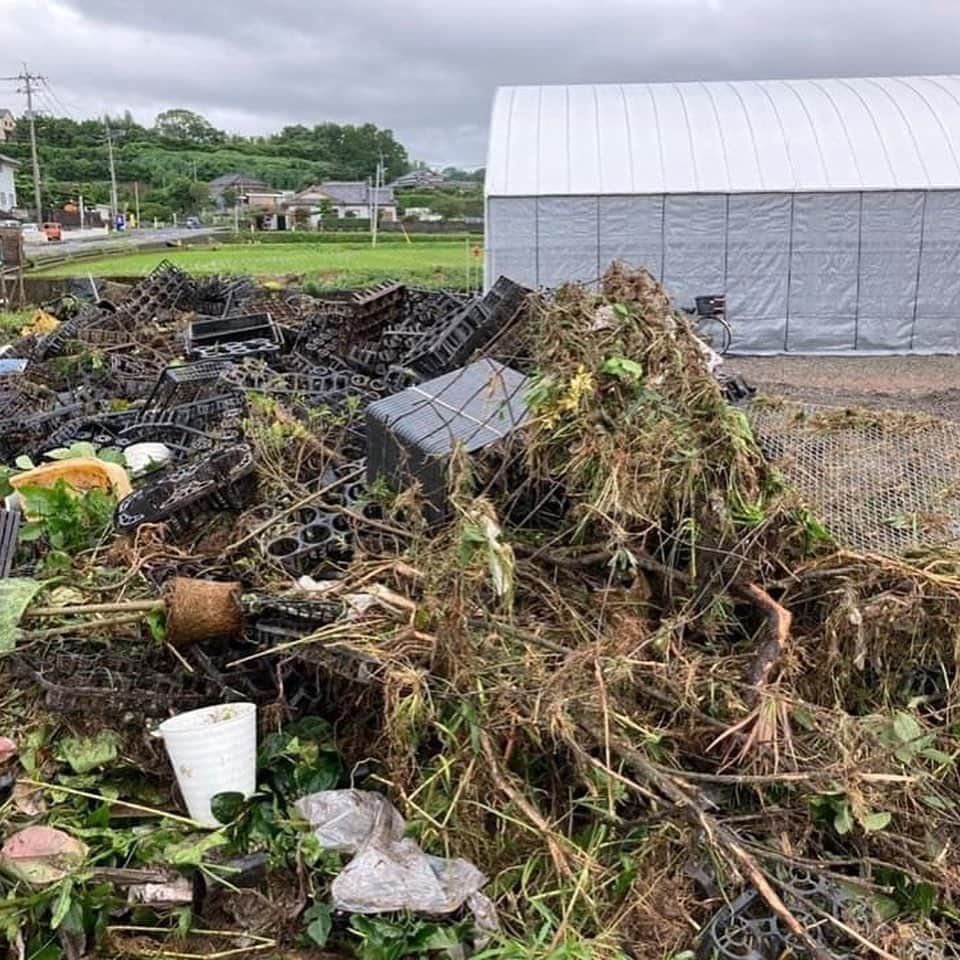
8	192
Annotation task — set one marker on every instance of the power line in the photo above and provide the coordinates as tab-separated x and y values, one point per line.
60	105
28	80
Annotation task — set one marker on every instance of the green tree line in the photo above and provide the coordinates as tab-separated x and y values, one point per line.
183	150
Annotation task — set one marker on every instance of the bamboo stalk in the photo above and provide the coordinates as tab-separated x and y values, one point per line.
88	626
70	792
123	606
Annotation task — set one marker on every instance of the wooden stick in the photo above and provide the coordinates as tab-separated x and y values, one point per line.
88	626
779	620
524	805
70	792
123	606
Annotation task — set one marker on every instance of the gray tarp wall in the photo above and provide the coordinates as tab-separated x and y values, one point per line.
806	272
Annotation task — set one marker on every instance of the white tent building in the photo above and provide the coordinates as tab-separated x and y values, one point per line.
827	211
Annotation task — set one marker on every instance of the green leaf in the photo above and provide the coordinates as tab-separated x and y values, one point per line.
319	923
30	532
16	594
23	462
85	754
874	822
226	807
624	368
62	904
905	727
113	455
157	622
804	717
184	917
190	853
842	818
443	938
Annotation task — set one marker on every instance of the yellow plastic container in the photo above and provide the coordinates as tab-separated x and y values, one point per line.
81	473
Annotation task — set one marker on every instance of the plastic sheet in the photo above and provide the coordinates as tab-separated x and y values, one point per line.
390	872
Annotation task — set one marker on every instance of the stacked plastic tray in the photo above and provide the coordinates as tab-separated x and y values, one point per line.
411	434
234	337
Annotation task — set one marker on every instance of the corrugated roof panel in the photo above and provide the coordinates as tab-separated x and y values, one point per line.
644	133
523	134
901	148
707	134
862	131
614	138
740	150
832	133
500	120
803	144
585	167
680	167
553	141
803	135
935	121
769	139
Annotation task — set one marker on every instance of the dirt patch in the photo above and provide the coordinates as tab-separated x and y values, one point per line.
929	384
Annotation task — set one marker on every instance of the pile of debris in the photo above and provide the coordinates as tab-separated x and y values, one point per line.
536	632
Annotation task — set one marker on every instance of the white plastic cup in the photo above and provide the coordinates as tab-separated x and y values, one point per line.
212	750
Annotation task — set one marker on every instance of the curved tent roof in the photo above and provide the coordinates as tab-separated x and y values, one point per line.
726	137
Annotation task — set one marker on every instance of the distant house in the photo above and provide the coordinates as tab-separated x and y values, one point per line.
344	199
239	183
266	200
8	191
422	214
423	179
8	123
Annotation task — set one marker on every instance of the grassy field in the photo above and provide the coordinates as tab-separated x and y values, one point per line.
11	322
331	265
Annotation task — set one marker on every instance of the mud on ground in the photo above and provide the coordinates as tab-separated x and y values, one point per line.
928	384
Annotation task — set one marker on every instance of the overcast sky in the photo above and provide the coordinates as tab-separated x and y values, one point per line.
428	68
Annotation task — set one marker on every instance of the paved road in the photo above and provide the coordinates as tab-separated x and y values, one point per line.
114	242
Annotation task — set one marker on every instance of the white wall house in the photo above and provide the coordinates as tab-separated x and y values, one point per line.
347	199
8	193
827	211
8	124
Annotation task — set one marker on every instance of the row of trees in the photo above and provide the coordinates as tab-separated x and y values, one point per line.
172	160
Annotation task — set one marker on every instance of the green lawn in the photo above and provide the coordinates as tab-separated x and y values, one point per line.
332	265
11	321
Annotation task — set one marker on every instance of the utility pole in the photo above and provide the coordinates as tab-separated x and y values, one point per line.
136	200
375	220
28	79
113	174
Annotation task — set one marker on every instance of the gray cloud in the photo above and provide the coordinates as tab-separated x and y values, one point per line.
428	70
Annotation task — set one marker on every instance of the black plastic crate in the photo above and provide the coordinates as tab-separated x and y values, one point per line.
186	383
222	480
9	534
411	434
476	324
224	332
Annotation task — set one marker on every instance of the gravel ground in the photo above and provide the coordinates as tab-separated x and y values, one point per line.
929	384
